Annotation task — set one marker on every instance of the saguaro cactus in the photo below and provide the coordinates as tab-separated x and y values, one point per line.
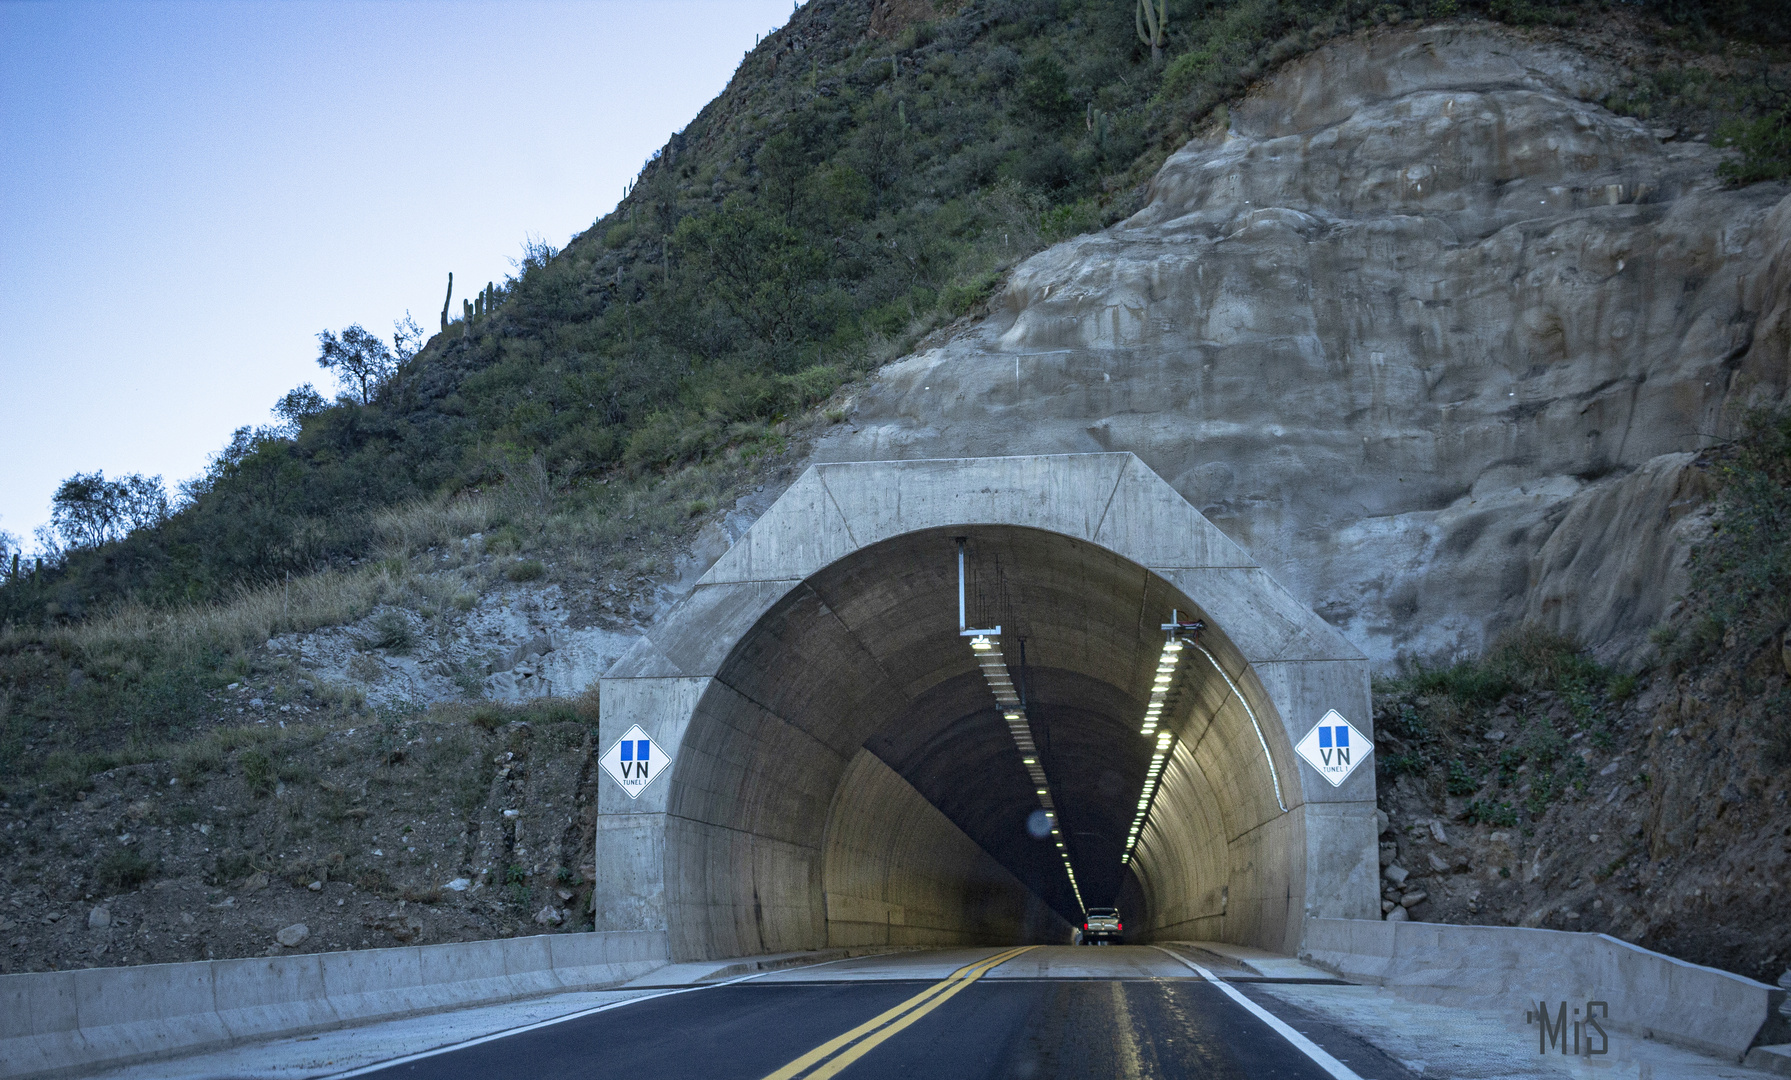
1152	24
1096	122
448	299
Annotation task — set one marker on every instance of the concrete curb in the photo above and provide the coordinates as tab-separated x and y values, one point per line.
1772	1059
1507	967
70	1023
700	972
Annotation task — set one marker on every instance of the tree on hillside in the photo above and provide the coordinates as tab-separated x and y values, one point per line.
89	510
408	338
9	550
358	358
299	404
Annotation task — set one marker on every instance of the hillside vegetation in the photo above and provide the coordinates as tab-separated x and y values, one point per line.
869	175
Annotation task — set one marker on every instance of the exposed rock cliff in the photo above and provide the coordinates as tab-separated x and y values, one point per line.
1428	331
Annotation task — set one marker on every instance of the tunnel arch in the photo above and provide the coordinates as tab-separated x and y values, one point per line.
841	775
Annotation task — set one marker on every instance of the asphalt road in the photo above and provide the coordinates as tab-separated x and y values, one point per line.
974	1013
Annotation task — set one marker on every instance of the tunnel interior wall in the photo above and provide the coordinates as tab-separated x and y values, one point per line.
898	872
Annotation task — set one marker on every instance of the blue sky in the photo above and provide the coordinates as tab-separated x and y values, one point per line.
189	192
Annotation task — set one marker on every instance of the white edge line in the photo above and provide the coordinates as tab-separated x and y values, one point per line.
363	1070
1301	1043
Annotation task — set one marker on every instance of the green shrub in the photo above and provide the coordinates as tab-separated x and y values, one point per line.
1407	722
1409	763
1461	781
1532	13
1188	71
390	630
258	771
1530	658
230	866
1468	683
1741	576
516	887
526	570
196	759
503	539
122	870
1484	812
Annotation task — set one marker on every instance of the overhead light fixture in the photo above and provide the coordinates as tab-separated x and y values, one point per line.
985	648
1161	682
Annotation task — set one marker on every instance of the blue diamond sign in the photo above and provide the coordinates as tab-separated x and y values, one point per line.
1334	747
634	762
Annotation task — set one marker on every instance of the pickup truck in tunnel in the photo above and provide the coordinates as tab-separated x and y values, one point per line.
1101	926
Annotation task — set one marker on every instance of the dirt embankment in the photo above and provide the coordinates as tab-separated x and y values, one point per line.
401	831
1661	820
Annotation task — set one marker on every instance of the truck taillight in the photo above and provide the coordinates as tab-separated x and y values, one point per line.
1119	925
1085	926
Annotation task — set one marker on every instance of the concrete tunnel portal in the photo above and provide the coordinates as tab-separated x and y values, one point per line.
842	775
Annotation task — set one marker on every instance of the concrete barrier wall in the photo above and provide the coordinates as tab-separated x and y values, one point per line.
67	1023
1507	967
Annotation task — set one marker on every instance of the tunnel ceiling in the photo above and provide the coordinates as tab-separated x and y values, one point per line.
1091	626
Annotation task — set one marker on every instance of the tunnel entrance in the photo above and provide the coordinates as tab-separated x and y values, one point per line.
842	774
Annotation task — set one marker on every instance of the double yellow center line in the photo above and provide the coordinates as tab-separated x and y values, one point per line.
835	1054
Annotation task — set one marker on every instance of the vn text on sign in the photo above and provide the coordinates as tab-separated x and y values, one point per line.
634	762
1334	747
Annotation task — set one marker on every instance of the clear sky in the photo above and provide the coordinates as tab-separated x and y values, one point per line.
189	192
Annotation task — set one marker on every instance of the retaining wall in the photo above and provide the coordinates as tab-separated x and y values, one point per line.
1650	994
67	1023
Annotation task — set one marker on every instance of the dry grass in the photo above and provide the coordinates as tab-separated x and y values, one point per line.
327	598
418	526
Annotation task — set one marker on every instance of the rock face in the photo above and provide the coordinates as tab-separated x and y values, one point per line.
1431	334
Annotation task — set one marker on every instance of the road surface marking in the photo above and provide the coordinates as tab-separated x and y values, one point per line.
867	1036
1306	1046
362	1070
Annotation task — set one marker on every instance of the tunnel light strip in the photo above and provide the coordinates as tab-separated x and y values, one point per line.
1251	713
987	651
1161	683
